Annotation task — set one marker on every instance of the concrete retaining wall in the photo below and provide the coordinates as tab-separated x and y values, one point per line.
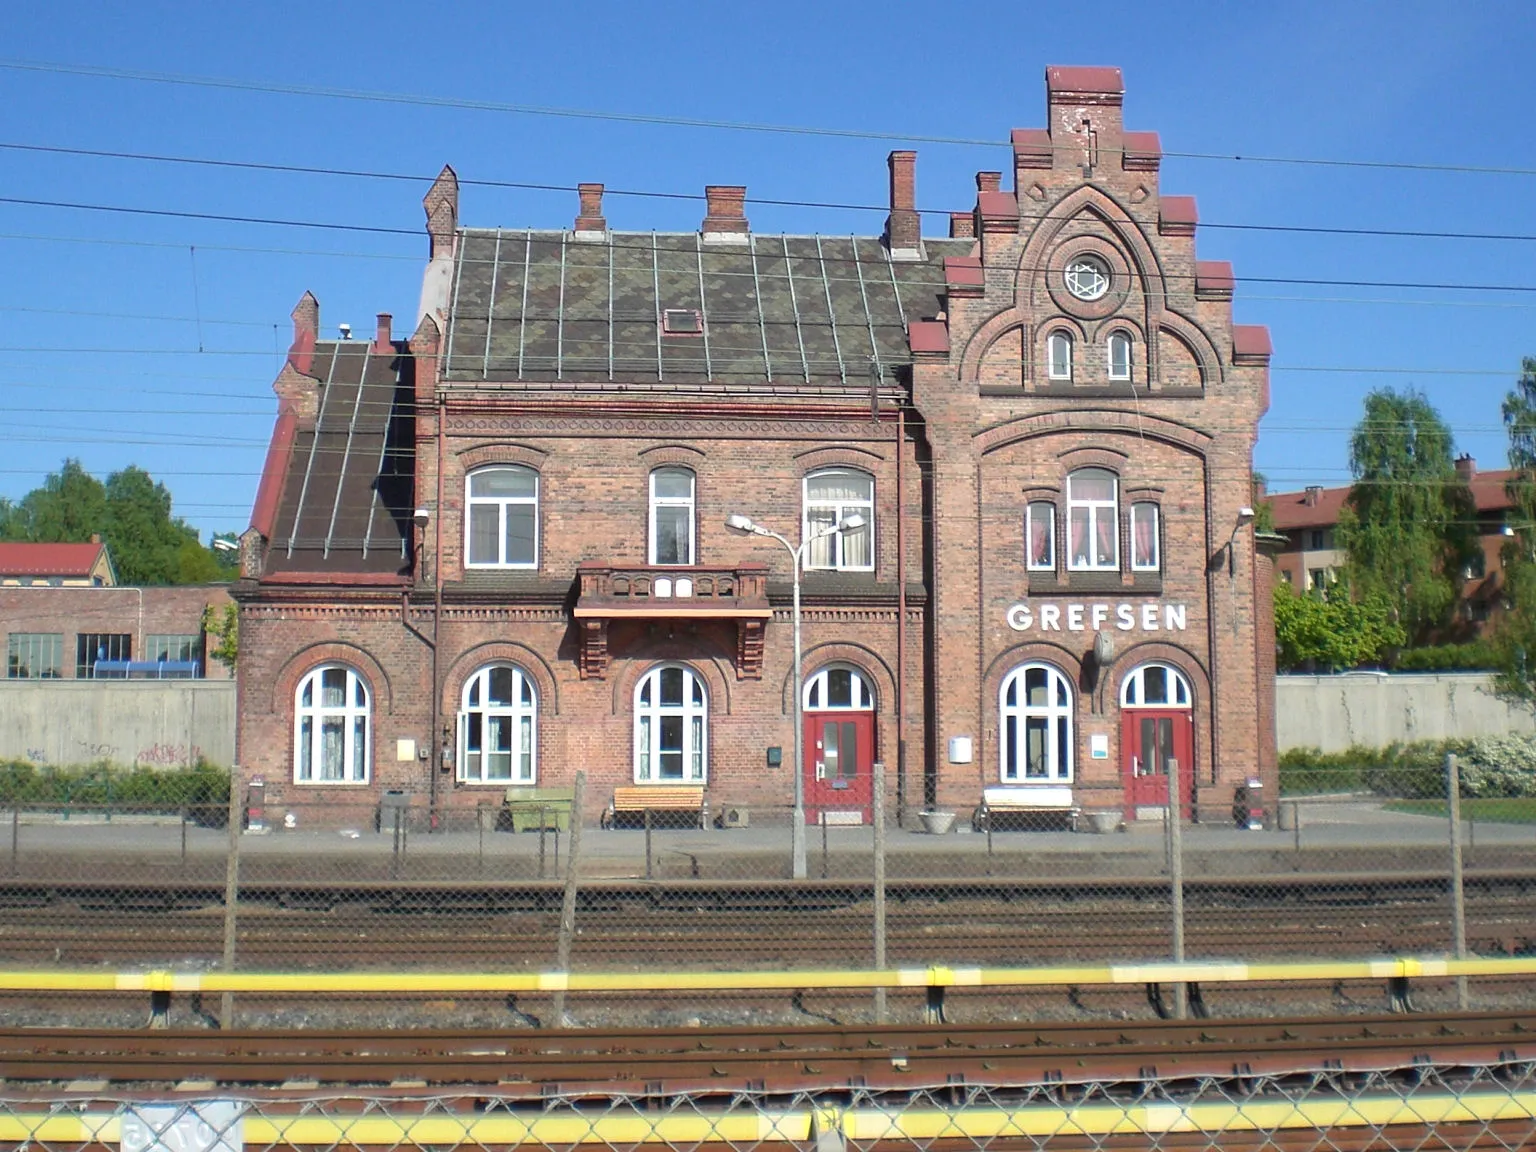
1334	712
164	724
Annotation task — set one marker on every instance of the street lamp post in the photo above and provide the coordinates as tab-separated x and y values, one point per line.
739	523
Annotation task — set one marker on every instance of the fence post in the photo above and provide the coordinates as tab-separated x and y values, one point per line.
646	817
1458	889
16	836
568	897
1176	883
231	893
878	814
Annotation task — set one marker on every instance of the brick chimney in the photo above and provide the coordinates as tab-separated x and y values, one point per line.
383	337
1466	468
590	218
989	181
441	204
725	212
1312	495
1085	117
962	225
903	227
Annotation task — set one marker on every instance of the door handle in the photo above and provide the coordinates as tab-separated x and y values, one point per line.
821	770
1135	765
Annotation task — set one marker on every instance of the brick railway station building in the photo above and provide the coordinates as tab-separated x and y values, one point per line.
1020	455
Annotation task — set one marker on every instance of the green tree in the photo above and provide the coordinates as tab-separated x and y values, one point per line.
1515	638
1408	524
1331	631
223	624
131	512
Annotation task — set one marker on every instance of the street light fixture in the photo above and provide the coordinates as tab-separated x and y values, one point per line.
736	522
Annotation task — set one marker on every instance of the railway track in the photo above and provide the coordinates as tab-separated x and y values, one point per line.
722	1060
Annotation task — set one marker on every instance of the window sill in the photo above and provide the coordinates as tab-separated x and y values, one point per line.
1078	583
331	783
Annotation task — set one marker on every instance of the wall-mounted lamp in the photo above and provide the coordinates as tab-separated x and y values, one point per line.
421	516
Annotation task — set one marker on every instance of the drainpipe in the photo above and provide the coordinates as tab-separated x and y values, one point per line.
434	748
901	620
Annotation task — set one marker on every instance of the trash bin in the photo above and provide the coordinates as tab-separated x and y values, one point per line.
394	802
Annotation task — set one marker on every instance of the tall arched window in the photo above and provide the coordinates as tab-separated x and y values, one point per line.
1119	356
502	527
831	496
497	727
671	528
671	712
1035	710
330	727
1059	352
1093	520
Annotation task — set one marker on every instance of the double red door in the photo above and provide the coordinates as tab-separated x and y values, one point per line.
1152	742
839	757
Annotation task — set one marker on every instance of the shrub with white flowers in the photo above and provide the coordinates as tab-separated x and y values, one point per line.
1502	766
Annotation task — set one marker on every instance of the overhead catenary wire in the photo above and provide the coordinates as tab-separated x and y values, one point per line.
466	103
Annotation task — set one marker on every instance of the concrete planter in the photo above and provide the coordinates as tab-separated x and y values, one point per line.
1101	822
938	823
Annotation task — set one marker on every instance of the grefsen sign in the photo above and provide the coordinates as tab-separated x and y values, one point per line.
1153	616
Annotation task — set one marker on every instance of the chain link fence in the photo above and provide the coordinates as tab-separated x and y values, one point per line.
1392	1108
1344	865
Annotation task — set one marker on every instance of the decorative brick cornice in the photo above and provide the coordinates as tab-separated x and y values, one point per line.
659	455
1093	420
841	455
1075	458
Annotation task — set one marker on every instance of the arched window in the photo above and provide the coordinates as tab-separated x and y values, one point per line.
671	711
1119	356
502	528
831	496
1146	542
1059	351
498	727
837	688
1156	686
1035	709
330	727
1093	521
671	528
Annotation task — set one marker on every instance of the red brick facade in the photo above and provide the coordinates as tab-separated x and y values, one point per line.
956	435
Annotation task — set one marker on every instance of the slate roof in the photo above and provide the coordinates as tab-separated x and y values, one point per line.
800	310
25	559
347	496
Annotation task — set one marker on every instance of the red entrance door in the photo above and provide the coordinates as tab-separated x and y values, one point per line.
1151	741
839	753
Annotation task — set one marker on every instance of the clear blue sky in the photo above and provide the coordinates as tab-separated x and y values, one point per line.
98	311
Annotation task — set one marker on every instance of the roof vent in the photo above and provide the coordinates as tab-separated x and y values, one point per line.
345	330
682	322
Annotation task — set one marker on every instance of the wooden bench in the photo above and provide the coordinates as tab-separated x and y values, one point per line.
527	809
1018	805
672	800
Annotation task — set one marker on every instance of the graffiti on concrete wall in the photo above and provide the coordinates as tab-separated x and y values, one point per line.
168	754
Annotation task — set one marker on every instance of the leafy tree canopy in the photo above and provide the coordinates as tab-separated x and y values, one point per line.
131	512
1332	631
1515	638
1409	524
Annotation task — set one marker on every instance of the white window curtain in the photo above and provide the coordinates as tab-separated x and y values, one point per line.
331	727
497	727
503	521
1093	520
671	717
832	496
1035	711
671	527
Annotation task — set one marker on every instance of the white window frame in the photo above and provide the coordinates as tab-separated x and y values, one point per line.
1140	510
657	502
501	504
833	542
1133	691
1087	277
1033	511
1059	367
521	715
1059	727
349	712
1098	511
1119	371
816	694
694	713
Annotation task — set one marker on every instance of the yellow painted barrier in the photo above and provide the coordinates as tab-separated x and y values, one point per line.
366	983
569	1127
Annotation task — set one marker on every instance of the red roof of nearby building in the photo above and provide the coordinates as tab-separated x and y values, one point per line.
49	559
1320	507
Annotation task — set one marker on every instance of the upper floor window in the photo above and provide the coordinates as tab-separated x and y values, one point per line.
331	718
1146	547
503	521
34	655
671	530
670	712
1119	356
831	497
496	727
1040	536
1315	539
1087	277
1059	349
1093	534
